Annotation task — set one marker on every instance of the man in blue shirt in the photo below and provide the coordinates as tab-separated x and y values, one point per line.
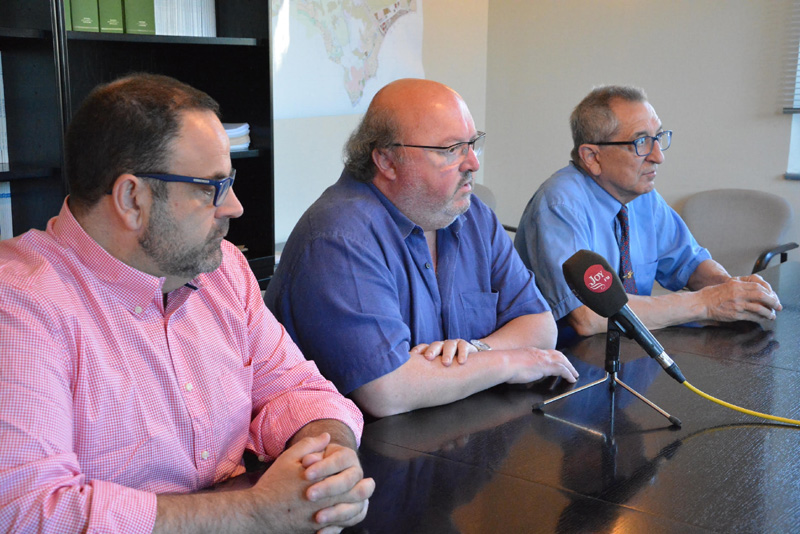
618	146
397	270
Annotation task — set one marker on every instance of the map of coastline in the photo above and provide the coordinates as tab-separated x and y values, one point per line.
356	38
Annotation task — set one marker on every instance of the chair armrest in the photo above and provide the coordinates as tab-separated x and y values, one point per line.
767	255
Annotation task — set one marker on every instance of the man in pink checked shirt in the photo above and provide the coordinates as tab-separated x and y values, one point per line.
137	359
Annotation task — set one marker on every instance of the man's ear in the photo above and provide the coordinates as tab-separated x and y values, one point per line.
384	159
131	198
590	157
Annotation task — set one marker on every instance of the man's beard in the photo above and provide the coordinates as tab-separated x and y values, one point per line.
466	179
163	244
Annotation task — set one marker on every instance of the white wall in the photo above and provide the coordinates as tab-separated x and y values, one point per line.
711	69
794	157
308	152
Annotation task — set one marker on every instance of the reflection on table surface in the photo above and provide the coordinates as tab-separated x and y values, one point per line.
602	460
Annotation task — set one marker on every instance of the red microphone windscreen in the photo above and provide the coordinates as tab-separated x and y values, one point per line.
595	283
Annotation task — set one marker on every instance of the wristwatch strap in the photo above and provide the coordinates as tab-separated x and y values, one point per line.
480	345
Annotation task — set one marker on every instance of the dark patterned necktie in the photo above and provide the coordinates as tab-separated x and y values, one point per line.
625	267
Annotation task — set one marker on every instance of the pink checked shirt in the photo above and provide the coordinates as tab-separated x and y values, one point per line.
107	398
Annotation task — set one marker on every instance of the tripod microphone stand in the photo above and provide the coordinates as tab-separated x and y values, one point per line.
612	366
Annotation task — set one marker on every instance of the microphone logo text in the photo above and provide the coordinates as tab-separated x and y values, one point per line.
597	279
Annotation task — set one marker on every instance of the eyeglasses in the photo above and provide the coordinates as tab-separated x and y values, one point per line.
457	152
644	145
221	187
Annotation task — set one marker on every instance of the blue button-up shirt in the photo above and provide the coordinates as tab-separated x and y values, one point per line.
571	212
356	287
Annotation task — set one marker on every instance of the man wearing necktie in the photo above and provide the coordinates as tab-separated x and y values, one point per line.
605	200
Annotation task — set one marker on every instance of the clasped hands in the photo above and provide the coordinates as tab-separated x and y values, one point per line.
314	485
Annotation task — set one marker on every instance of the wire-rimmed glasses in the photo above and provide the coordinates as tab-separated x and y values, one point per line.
456	152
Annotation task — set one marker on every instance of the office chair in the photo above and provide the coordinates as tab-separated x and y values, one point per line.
488	198
742	228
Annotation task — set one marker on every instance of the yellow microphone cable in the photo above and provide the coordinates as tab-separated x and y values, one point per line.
740	409
674	371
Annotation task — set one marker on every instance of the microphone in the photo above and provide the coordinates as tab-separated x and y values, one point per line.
596	285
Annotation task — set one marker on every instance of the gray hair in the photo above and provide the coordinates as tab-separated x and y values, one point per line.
593	121
378	129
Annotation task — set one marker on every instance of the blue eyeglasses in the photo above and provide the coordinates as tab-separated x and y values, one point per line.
221	187
644	145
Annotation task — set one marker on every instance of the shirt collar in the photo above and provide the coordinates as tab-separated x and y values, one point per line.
132	286
607	206
404	224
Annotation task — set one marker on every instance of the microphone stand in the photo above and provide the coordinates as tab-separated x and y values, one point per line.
612	367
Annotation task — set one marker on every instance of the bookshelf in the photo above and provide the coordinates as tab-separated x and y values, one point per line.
48	71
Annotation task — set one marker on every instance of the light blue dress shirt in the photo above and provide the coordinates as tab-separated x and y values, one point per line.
570	212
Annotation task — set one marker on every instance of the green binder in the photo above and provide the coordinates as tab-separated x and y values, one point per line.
111	20
140	17
84	16
67	16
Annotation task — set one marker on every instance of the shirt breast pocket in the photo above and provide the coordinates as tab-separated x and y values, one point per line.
479	312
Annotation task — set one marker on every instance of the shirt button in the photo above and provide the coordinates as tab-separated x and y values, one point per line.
204	455
138	309
189	386
427	265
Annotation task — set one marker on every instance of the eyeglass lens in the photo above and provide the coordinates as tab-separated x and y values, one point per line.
222	189
461	150
644	145
477	144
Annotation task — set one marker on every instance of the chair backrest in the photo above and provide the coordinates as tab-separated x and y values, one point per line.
488	198
737	225
485	194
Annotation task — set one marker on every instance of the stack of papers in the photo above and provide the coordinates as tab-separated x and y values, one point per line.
195	18
3	131
6	225
6	230
239	134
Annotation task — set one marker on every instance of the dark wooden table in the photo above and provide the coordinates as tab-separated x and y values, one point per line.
606	462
